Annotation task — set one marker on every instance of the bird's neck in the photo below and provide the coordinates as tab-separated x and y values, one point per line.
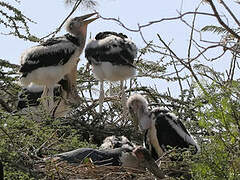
82	41
77	39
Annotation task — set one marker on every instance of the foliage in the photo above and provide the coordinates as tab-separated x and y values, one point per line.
215	29
13	22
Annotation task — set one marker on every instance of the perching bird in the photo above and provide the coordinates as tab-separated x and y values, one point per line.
162	128
111	55
137	158
28	99
47	63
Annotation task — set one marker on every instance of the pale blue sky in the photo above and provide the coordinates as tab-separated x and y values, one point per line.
49	14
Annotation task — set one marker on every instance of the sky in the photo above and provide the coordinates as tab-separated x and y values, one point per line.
50	14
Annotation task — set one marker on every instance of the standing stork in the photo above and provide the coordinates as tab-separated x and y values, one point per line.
47	63
162	128
112	55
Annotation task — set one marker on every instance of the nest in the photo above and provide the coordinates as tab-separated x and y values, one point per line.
64	170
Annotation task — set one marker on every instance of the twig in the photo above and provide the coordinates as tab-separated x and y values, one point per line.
221	21
42	146
152	22
5	106
230	12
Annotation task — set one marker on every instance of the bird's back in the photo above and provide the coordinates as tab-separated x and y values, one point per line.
54	51
105	34
111	47
170	132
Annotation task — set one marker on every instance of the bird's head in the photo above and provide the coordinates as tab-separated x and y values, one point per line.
78	25
138	109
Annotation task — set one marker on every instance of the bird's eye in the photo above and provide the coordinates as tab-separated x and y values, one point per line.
71	25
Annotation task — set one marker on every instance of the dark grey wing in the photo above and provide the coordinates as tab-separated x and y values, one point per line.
99	157
27	98
111	49
56	51
171	133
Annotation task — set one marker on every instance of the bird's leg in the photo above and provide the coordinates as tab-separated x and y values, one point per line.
50	100
44	97
72	84
124	100
110	89
101	97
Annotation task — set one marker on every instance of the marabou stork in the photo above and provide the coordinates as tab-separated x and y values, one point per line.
162	128
28	99
111	55
137	158
47	63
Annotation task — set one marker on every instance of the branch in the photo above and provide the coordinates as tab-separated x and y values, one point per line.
153	22
230	12
221	21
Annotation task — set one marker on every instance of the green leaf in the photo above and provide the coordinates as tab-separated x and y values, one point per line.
214	29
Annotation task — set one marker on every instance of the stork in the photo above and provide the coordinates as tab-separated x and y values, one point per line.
137	158
111	55
162	128
47	63
28	99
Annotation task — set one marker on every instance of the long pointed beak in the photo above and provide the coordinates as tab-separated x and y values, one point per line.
90	20
82	18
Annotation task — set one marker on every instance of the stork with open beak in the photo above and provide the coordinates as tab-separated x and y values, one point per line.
47	63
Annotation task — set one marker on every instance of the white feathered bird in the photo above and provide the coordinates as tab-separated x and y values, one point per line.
112	56
162	128
47	63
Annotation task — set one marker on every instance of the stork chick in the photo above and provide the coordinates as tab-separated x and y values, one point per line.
111	55
112	142
162	128
137	158
47	63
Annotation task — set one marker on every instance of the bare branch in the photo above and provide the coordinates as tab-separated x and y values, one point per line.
221	21
230	12
153	22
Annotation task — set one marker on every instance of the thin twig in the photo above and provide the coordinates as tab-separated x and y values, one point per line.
230	12
153	22
221	21
77	3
